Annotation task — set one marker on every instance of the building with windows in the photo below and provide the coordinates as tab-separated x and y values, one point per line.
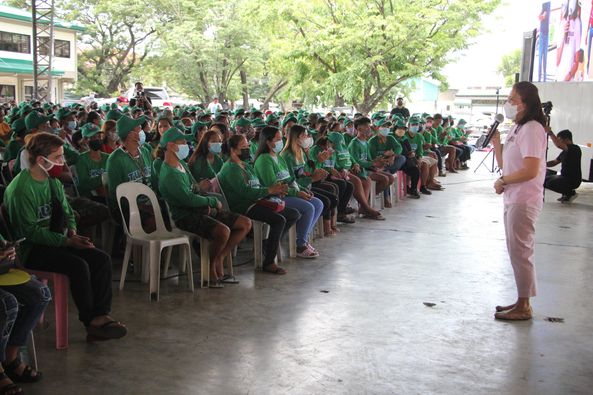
16	55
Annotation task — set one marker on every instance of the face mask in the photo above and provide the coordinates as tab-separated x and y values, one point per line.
428	125
56	130
72	125
510	111
95	145
384	132
54	170
141	137
182	151
245	154
215	148
351	131
278	146
306	143
414	129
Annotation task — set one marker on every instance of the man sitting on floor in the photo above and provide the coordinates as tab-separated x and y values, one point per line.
570	173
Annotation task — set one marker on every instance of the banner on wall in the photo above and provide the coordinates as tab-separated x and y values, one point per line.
563	47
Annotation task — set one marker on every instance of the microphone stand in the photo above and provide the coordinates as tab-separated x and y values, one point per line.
492	167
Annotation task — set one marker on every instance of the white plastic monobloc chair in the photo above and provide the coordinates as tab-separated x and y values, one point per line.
152	243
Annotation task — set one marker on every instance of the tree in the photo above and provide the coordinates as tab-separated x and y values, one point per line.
118	37
510	64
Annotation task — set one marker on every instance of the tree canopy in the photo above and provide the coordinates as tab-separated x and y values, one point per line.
323	52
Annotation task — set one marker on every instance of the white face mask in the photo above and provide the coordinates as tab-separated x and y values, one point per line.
510	110
306	143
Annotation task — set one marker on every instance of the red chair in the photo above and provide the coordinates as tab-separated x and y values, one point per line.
60	296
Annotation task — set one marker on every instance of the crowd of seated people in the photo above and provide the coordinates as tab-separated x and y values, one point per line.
63	164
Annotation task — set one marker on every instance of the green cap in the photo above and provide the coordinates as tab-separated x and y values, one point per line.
126	124
378	115
400	123
63	113
34	119
347	121
25	109
239	111
461	122
89	130
258	123
242	122
113	115
414	120
383	122
271	119
197	125
289	118
105	107
19	126
172	135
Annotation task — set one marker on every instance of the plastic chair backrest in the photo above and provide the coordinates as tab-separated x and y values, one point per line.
130	191
221	195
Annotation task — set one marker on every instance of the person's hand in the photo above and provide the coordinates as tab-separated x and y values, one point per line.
278	189
304	195
412	154
218	205
79	242
8	252
319	174
496	139
498	186
566	25
204	185
335	173
379	162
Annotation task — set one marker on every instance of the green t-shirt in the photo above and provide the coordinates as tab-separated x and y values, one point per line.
272	170
156	170
428	137
343	160
28	203
347	138
12	149
121	167
90	173
327	164
416	143
299	171
204	170
176	187
241	186
377	148
253	146
438	131
359	152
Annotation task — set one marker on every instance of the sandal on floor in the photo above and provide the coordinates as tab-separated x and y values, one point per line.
9	389
228	279
25	377
376	217
274	269
107	331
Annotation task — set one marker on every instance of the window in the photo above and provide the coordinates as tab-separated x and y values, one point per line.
14	42
28	92
7	93
61	47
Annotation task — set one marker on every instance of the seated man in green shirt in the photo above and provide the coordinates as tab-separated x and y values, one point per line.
91	165
201	215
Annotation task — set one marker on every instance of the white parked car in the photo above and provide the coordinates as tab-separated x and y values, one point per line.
158	95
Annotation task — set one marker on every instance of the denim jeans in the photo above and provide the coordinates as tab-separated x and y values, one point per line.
310	211
20	309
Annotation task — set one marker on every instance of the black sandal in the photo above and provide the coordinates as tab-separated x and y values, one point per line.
109	330
274	269
25	377
9	389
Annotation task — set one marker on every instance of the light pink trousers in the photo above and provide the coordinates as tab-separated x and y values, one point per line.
519	226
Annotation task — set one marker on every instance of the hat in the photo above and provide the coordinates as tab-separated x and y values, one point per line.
289	118
242	122
383	122
197	125
126	124
461	122
414	120
259	123
105	107
113	115
239	111
335	138
271	118
25	109
19	126
89	130
34	119
347	121
400	123
63	113
173	134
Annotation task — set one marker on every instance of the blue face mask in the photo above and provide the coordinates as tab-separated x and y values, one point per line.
56	130
141	137
414	129
182	151
384	131
215	148
72	125
278	146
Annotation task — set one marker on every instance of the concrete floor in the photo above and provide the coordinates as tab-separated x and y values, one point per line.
353	321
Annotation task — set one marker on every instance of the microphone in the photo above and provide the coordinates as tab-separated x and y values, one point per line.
498	119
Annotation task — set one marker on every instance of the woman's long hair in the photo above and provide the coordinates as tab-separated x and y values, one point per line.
292	143
533	105
266	135
202	148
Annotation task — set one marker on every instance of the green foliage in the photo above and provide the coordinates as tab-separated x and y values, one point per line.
510	64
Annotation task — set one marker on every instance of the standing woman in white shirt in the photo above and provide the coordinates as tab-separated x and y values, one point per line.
523	164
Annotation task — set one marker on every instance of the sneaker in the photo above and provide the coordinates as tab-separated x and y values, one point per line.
413	194
425	191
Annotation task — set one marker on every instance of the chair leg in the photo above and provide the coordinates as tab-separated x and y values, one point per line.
32	351
190	269
61	306
168	252
154	264
204	262
145	262
292	242
257	245
229	260
124	266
